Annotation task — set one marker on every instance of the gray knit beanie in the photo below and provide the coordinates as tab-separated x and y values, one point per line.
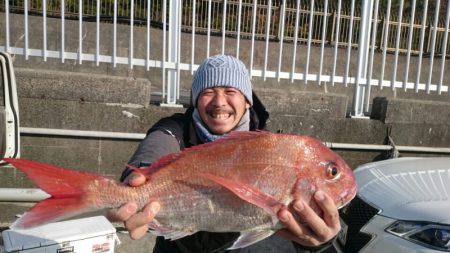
222	70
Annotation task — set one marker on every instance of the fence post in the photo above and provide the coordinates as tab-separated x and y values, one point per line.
363	51
279	14
173	52
428	31
331	34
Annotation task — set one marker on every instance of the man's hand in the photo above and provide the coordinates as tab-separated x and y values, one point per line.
135	221
314	229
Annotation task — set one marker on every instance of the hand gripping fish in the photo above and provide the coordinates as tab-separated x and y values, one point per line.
235	184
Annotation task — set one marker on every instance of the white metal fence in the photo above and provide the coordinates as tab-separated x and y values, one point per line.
375	27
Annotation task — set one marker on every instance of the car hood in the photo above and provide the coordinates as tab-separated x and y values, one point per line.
408	188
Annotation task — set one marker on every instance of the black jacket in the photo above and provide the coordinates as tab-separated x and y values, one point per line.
175	133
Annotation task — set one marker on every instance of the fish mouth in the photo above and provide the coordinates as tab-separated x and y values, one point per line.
345	198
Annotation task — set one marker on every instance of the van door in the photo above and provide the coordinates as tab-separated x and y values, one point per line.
9	110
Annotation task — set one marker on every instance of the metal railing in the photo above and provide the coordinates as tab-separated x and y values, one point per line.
140	18
369	26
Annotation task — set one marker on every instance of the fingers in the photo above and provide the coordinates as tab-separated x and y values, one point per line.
314	230
291	224
130	208
138	232
123	213
135	179
330	211
138	223
308	216
135	222
294	231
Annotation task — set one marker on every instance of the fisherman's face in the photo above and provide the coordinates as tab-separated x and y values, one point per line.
221	108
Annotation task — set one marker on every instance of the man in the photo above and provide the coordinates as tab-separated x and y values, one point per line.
222	101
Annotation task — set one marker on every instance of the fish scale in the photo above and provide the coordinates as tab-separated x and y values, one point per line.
235	184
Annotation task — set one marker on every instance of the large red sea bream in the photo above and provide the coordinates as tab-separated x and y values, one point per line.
235	184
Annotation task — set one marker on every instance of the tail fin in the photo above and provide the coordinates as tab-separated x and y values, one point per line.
67	188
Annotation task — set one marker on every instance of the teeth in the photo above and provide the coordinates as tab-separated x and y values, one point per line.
220	116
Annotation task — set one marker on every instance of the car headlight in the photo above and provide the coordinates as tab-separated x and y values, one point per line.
430	235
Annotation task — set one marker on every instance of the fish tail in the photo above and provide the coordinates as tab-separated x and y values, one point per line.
68	190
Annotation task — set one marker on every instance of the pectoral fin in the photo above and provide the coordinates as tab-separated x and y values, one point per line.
167	233
249	194
250	237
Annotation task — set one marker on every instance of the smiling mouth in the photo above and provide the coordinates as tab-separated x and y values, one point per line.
220	114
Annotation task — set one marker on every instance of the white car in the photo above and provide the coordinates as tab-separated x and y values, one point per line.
403	205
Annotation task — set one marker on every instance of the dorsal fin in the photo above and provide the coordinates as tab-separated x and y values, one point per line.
148	171
233	136
170	158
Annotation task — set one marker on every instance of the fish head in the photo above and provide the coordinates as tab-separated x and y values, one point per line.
322	169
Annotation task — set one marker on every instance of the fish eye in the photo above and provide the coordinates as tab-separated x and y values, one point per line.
333	172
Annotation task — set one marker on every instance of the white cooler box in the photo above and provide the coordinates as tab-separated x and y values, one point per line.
94	234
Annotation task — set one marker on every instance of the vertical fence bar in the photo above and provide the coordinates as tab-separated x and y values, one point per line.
44	29
308	54
164	18
224	23
397	44
173	53
336	41
193	36
349	45
114	56
363	50
422	39
63	9
130	59
97	39
180	11
324	33
7	25
410	37
372	54
239	29
170	77
433	45
294	53
280	55
25	3
385	42
149	7
209	29
269	12
172	80
255	5
80	31
444	52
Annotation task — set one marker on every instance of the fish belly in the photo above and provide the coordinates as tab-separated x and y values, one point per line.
215	211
